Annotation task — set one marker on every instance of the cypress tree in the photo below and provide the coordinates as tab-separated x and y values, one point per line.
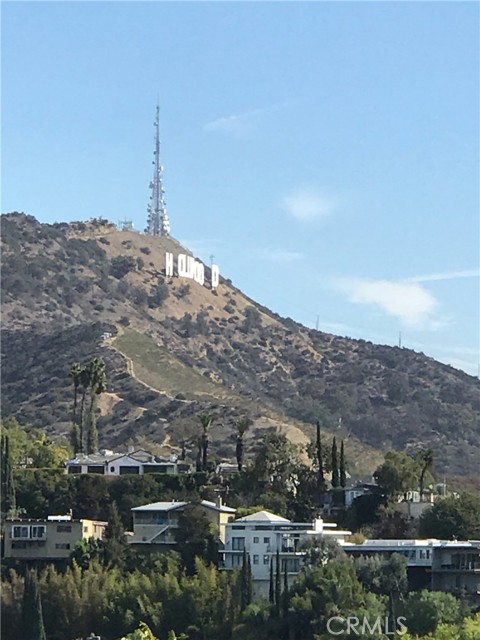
278	585
271	591
343	472
245	581
114	542
32	616
285	594
321	477
335	474
8	487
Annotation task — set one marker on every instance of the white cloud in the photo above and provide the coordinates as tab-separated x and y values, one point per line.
307	204
449	275
280	255
410	302
240	124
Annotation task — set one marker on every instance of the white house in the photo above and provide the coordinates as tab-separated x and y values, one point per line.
108	463
262	534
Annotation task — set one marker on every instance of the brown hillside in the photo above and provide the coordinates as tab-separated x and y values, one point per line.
179	348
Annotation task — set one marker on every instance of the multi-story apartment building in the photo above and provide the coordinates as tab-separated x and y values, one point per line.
262	534
456	568
441	565
51	539
156	523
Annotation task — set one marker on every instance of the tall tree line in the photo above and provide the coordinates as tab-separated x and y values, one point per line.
89	381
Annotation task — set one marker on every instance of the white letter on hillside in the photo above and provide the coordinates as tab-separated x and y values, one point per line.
199	272
215	276
190	267
168	264
182	265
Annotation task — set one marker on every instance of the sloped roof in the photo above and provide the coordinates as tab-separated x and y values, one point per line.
212	505
262	516
161	506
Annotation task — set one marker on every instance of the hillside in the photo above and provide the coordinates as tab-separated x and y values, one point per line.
179	348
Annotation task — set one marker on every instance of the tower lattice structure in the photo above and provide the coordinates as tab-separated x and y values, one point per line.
158	222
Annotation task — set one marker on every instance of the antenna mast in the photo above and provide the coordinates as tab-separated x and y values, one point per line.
158	222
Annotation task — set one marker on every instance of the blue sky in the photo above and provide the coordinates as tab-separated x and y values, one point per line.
326	153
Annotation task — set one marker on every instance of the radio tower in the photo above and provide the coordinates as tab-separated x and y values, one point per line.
158	222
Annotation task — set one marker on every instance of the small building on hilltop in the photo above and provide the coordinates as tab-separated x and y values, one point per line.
108	463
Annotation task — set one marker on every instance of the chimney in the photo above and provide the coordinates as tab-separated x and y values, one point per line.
218	501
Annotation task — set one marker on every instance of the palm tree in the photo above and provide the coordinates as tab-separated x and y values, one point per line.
98	384
205	421
84	383
243	426
75	372
425	457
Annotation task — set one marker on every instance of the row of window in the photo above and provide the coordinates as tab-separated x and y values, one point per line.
238	544
20	544
290	564
36	531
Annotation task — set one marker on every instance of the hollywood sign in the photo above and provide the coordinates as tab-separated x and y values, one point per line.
188	267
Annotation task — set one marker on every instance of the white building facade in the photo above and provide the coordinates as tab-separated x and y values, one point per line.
116	464
262	534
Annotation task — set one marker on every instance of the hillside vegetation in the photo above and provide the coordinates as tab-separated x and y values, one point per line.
178	349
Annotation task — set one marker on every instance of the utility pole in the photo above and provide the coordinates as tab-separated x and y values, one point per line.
158	222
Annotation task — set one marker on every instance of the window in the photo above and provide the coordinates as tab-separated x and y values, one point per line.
38	532
19	545
255	559
266	540
74	468
266	559
64	528
238	544
112	469
20	532
236	561
62	545
255	540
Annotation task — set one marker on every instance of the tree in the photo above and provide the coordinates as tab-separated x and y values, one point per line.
335	472
343	471
246	589
384	576
7	483
271	588
75	373
194	537
242	427
205	421
326	590
285	595
398	474
84	379
452	517
32	616
98	384
425	458
278	584
425	610
319	459
115	544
